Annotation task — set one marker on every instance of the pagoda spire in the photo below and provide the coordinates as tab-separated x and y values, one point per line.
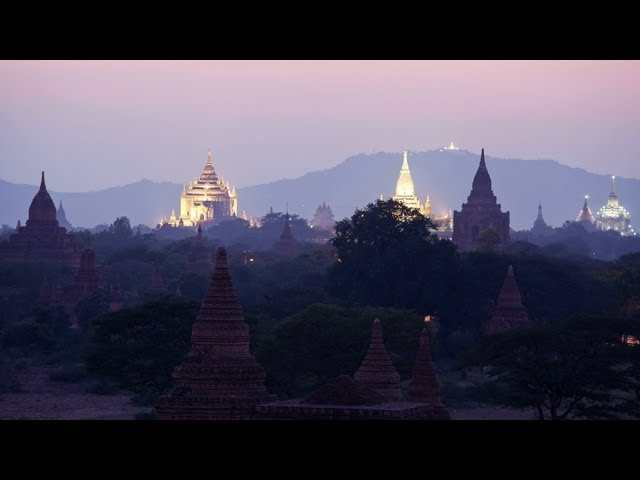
219	379
424	387
508	312
43	187
481	180
377	371
613	186
209	160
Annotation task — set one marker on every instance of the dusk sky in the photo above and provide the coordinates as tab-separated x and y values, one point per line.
96	124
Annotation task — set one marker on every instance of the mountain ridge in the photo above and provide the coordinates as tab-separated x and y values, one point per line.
359	179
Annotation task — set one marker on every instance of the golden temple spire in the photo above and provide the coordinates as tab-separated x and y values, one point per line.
209	161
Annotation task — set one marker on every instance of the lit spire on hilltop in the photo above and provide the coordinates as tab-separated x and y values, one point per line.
451	146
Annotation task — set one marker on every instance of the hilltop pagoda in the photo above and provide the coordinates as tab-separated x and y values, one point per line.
613	216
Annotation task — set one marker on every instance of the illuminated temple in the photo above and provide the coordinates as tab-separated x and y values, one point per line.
207	199
585	218
613	216
405	193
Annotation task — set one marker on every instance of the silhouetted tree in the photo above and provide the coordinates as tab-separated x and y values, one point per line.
121	228
487	240
576	368
389	255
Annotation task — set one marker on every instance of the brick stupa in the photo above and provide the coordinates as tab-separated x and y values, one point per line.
218	379
508	312
200	258
377	371
156	287
424	387
287	244
87	280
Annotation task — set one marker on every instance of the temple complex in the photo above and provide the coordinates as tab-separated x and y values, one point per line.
482	211
540	227
61	216
585	218
41	238
207	199
286	245
323	218
156	287
613	215
377	371
219	379
200	258
508	312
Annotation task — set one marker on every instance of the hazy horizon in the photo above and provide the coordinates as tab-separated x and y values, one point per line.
96	124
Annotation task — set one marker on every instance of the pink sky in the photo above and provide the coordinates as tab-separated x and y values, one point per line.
95	124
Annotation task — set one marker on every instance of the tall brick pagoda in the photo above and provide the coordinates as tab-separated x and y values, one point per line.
87	279
200	258
42	238
377	371
481	211
424	386
218	379
508	312
287	244
157	287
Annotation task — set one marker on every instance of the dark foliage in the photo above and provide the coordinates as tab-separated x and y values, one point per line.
139	348
576	368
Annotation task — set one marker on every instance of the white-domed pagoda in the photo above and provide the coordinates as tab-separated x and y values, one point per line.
613	216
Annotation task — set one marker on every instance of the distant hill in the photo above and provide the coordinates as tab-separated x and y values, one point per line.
143	202
445	175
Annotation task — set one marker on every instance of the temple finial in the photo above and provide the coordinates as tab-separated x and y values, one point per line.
482	159
42	184
209	161
613	185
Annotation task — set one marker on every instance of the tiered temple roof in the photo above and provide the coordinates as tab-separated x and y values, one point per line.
508	312
613	216
377	371
585	217
62	218
482	211
157	287
540	227
42	238
287	245
218	379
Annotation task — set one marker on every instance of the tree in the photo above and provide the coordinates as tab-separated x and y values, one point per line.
139	348
487	240
389	255
121	228
325	340
575	368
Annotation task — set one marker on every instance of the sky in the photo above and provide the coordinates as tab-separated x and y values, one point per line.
96	124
